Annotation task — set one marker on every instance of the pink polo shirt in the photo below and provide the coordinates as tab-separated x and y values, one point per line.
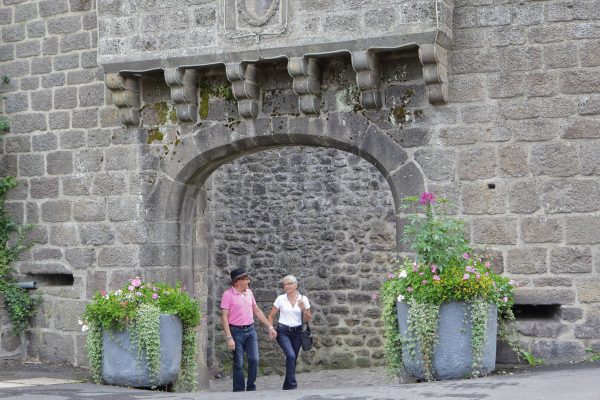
239	306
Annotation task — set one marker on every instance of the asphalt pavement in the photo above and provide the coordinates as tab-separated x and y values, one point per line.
577	381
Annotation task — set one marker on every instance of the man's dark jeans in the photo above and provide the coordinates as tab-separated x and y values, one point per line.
246	341
290	341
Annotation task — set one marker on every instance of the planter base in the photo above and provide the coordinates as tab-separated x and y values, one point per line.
453	354
119	364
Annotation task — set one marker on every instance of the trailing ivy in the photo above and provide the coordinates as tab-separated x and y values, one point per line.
20	305
479	320
423	326
147	335
187	381
94	349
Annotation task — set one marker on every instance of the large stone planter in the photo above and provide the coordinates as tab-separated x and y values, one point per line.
453	354
120	366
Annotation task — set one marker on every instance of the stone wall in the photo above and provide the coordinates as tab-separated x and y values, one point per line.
515	149
10	345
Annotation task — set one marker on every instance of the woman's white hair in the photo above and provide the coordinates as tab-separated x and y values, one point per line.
290	278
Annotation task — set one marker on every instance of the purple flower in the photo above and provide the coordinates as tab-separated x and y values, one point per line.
155	296
465	277
136	282
390	275
421	273
433	268
375	296
488	264
130	288
409	289
424	282
427	198
466	256
505	299
436	277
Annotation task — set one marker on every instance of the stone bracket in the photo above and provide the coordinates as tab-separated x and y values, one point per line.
368	78
243	78
305	72
182	82
435	72
126	95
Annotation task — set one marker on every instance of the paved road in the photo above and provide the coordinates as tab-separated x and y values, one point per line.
580	382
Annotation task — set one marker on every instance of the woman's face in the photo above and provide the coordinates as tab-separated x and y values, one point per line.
289	286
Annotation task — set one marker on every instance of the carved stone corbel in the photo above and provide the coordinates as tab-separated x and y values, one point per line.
368	78
182	82
243	78
305	71
435	72
126	95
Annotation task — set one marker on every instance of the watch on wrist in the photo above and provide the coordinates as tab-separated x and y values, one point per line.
229	338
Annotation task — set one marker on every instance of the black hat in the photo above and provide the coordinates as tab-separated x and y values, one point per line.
237	274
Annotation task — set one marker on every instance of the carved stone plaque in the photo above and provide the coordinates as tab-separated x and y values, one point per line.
245	18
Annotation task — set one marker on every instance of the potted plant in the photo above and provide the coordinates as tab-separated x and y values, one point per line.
440	309
143	335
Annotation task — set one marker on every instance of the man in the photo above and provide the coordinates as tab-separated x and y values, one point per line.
237	309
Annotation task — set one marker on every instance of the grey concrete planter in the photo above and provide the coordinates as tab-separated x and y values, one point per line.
453	355
119	364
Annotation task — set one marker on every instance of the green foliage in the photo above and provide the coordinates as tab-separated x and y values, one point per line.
445	268
532	360
137	306
594	355
4	124
20	305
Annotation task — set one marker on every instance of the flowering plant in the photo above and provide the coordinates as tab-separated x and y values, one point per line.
137	306
445	268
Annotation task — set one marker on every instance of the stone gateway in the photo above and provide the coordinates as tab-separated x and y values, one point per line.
176	139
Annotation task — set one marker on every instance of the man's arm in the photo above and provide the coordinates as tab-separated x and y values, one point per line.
225	322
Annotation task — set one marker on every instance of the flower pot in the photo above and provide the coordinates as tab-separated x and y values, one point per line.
453	354
120	364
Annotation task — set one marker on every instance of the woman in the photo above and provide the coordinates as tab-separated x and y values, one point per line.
293	308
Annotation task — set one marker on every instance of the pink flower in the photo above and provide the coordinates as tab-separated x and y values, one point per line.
103	292
415	268
433	268
436	277
465	277
466	256
513	283
488	264
505	299
138	293
477	276
424	282
409	289
421	273
154	296
427	198
390	275
136	282
130	288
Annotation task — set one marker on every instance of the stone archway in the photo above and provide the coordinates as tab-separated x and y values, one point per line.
178	195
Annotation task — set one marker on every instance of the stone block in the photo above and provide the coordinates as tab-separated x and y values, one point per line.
90	160
89	59
53	80
582	229
64	62
50	46
124	209
8	165
506	36
571	314
96	281
478	198
476	163
580	81
74	41
91	95
72	139
541	83
410	137
582	129
36	29
81	257
57	347
589	52
87	118
526	261
556	351
27	122
64	25
17	144
548	329
513	160
112	257
555	159
565	260
30	83
49	8
437	165
64	235
65	98
7	52
590	329
13	33
43	188
59	120
98	137
28	49
521	58
96	234
475	61
87	210
121	158
564	195
66	314
109	184
56	211
494	230
31	165
80	77
506	85
41	100
552	281
77	185
59	162
158	255
541	229
588	290
457	136
561	55
15	102
464	88
132	232
540	296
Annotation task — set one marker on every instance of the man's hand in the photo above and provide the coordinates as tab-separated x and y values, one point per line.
230	344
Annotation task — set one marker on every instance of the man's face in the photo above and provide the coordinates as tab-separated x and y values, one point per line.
242	283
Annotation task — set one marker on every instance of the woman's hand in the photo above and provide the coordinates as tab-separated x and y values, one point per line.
272	333
301	304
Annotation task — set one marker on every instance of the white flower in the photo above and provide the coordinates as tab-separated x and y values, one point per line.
84	328
402	274
400	297
80	322
119	292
